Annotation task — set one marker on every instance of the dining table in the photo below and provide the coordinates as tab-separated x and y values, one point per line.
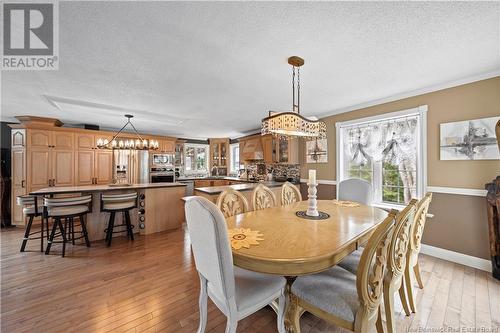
292	245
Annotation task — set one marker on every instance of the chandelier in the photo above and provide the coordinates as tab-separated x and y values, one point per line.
118	143
292	123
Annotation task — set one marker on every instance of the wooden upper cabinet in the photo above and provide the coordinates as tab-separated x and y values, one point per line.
39	169
84	167
85	141
269	149
63	140
18	138
62	168
103	169
19	168
39	138
168	146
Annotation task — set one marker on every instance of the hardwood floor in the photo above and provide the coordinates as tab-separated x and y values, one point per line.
151	285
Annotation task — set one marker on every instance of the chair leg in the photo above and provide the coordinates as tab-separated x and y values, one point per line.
389	308
129	225
296	312
203	305
110	227
281	313
231	325
84	230
63	234
27	233
72	224
404	299
42	235
51	238
408	280
416	269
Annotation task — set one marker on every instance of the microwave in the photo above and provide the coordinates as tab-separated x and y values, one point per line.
162	159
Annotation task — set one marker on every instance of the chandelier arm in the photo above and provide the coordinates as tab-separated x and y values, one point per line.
137	133
121	129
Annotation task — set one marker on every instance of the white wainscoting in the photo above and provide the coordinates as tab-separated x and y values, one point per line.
459	258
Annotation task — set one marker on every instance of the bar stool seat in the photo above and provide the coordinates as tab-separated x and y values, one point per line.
67	211
115	203
68	208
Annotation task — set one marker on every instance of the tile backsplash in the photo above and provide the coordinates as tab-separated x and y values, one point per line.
259	171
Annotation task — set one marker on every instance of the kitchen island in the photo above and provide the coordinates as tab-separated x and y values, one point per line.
212	192
160	206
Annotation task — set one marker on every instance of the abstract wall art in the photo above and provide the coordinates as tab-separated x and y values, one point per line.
317	151
469	140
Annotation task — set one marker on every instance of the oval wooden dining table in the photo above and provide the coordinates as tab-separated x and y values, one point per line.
294	246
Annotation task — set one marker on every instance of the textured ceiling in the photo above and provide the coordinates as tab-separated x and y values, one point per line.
214	69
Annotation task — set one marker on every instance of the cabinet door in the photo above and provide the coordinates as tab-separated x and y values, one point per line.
63	140
293	151
103	168
84	167
85	141
169	146
63	167
267	146
39	138
18	138
18	184
38	169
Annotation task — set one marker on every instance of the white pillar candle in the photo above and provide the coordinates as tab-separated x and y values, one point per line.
312	176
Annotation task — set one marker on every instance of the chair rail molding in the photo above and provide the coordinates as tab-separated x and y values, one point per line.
457	190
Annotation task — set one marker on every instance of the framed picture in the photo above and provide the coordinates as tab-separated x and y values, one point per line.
317	151
469	140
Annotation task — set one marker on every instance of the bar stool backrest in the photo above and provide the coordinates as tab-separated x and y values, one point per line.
69	201
29	201
122	198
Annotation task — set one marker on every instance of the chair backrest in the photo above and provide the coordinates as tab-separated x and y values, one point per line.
122	198
372	266
355	189
26	200
210	243
67	201
400	241
290	194
231	203
263	197
419	223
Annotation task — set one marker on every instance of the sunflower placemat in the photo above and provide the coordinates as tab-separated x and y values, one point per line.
346	203
241	237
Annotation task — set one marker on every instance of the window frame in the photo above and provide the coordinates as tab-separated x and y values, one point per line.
207	153
232	146
420	113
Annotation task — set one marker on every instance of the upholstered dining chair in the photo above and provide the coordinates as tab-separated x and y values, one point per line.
236	292
231	203
263	197
348	300
396	263
355	189
290	194
412	266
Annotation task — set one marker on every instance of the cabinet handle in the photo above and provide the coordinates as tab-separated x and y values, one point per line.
50	182
22	183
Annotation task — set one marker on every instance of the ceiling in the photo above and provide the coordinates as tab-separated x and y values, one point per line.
214	69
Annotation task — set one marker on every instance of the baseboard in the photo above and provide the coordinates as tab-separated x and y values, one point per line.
456	257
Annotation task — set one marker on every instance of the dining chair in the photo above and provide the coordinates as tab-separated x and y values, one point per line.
396	265
263	197
232	202
290	194
355	189
236	292
412	266
348	300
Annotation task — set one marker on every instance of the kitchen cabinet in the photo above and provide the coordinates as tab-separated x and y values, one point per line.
62	167
18	160
219	154
279	150
167	146
269	148
103	167
202	183
84	167
92	165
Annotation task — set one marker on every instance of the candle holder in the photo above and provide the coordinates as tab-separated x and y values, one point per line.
312	204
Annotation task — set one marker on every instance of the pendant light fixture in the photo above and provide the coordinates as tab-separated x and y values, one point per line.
292	123
128	143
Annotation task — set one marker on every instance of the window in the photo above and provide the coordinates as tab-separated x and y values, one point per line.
196	158
235	157
389	151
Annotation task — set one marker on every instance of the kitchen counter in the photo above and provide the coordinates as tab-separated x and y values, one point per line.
160	206
237	187
234	179
101	188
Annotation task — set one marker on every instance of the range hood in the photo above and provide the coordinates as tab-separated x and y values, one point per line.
252	150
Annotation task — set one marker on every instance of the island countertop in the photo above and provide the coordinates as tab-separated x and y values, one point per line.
101	188
238	187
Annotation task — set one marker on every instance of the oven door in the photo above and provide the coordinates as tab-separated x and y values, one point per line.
162	178
163	159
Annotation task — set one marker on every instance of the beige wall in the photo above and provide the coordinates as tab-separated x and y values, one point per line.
470	101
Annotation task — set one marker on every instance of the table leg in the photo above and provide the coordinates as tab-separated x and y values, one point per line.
290	306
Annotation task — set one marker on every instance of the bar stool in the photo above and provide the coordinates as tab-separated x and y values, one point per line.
32	209
68	209
115	203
